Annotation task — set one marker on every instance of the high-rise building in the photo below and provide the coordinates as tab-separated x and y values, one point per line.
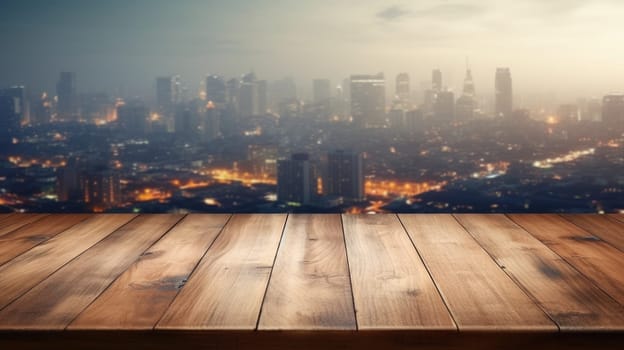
216	90
102	188
9	118
321	90
133	118
67	107
263	159
368	100
613	110
22	106
436	80
295	180
466	103
42	109
568	113
70	181
414	120
396	118
504	93
210	124
248	99
96	107
402	90
164	97
345	175
283	90
444	106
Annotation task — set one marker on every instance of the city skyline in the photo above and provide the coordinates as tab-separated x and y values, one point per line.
557	48
367	107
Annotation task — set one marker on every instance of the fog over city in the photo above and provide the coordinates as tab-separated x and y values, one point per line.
561	48
312	106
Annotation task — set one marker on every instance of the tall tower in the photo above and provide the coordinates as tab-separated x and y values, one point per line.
216	90
504	93
403	90
368	100
613	110
436	80
164	95
67	107
295	180
345	175
466	103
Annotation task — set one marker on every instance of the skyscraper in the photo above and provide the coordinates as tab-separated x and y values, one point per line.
9	118
322	90
67	107
22	107
210	126
368	100
613	110
402	90
466	103
102	188
248	96
436	80
504	93
216	90
70	181
345	175
164	96
444	106
133	118
295	181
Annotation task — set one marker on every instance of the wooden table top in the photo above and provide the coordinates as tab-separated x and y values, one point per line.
263	281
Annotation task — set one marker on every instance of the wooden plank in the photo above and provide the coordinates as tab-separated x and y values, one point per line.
24	238
310	287
480	296
27	270
140	296
13	222
568	297
618	217
391	287
605	227
596	259
56	301
325	340
227	288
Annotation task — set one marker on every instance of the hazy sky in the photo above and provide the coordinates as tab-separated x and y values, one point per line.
570	47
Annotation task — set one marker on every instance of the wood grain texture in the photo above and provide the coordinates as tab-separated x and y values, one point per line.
606	227
27	270
15	221
568	297
227	288
309	287
140	296
56	301
325	340
596	259
619	217
24	238
391	287
478	293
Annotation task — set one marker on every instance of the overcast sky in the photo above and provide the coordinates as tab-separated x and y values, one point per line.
568	47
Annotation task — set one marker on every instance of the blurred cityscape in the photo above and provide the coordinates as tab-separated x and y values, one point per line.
367	144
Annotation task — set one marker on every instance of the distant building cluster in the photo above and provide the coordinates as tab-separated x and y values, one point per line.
358	145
